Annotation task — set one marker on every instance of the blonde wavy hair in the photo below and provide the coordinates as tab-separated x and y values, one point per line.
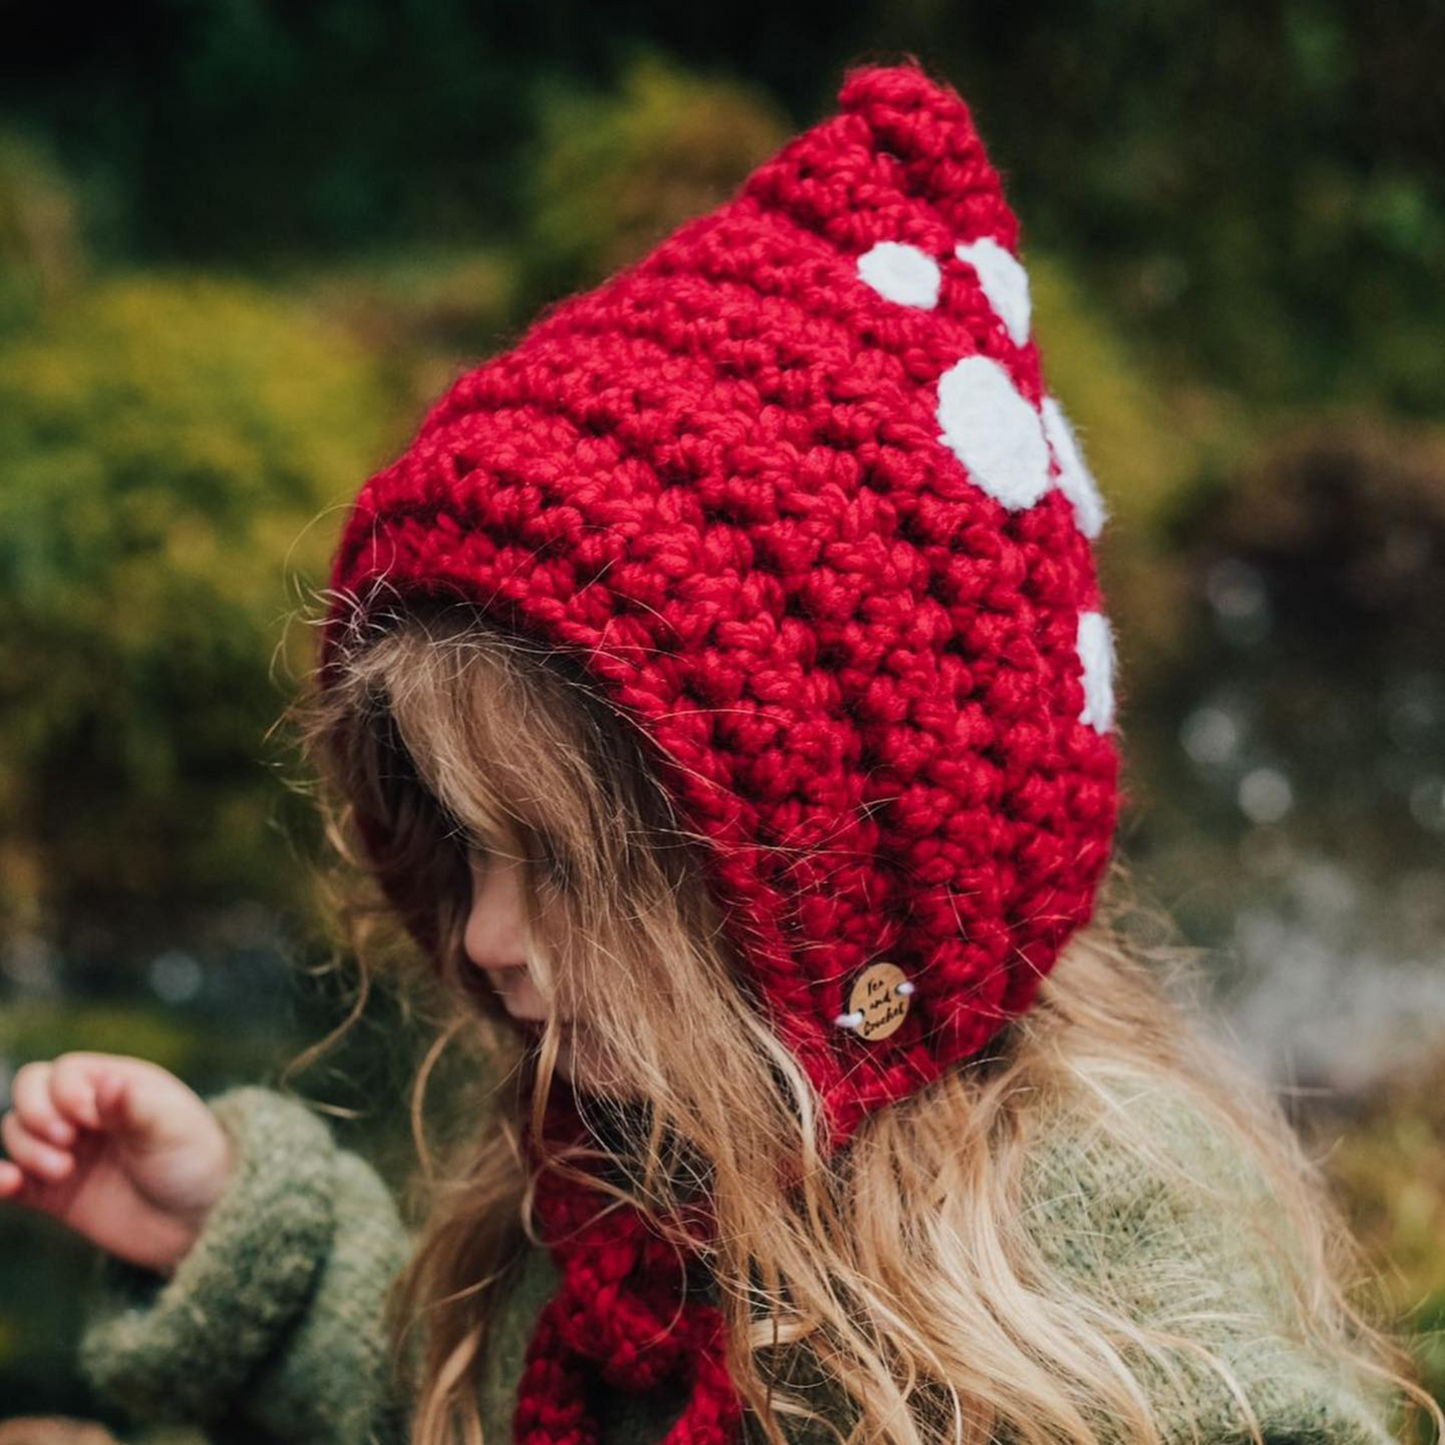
902	1268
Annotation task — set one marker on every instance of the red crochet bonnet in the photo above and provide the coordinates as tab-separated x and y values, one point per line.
792	489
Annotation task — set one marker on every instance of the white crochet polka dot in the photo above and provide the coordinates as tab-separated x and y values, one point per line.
1004	282
1076	481
993	431
901	273
1096	652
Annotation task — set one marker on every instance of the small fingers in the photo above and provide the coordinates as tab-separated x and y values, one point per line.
30	1095
75	1080
33	1155
139	1100
12	1180
18	1187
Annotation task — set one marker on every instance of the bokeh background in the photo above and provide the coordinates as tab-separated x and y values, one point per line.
243	243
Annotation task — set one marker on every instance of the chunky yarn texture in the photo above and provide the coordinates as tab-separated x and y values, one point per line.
629	1310
793	491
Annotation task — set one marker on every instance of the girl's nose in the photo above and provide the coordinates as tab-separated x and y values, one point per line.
495	934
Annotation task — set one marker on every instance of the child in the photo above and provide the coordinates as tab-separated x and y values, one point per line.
719	693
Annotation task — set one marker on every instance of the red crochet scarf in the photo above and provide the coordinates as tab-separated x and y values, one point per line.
631	1310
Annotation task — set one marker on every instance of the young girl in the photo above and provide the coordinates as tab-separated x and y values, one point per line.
717	694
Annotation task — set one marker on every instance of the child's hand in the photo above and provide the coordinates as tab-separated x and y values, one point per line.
119	1150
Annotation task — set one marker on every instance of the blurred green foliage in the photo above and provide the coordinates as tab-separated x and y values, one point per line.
610	175
166	440
241	248
40	246
1386	1158
1255	188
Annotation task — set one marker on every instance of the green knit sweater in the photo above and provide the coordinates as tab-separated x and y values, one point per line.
270	1329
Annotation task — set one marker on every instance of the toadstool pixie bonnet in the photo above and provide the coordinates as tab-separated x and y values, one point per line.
794	492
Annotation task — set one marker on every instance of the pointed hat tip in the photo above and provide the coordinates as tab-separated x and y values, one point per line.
904	84
901	110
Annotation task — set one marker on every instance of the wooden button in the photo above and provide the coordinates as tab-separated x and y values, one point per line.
875	996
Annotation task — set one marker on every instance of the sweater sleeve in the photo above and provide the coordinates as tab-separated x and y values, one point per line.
1189	1243
272	1325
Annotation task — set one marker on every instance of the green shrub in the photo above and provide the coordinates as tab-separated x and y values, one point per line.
40	246
610	175
176	455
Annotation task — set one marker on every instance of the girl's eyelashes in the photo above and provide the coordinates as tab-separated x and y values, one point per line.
540	853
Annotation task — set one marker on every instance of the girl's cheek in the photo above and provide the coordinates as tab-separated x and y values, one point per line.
527	997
